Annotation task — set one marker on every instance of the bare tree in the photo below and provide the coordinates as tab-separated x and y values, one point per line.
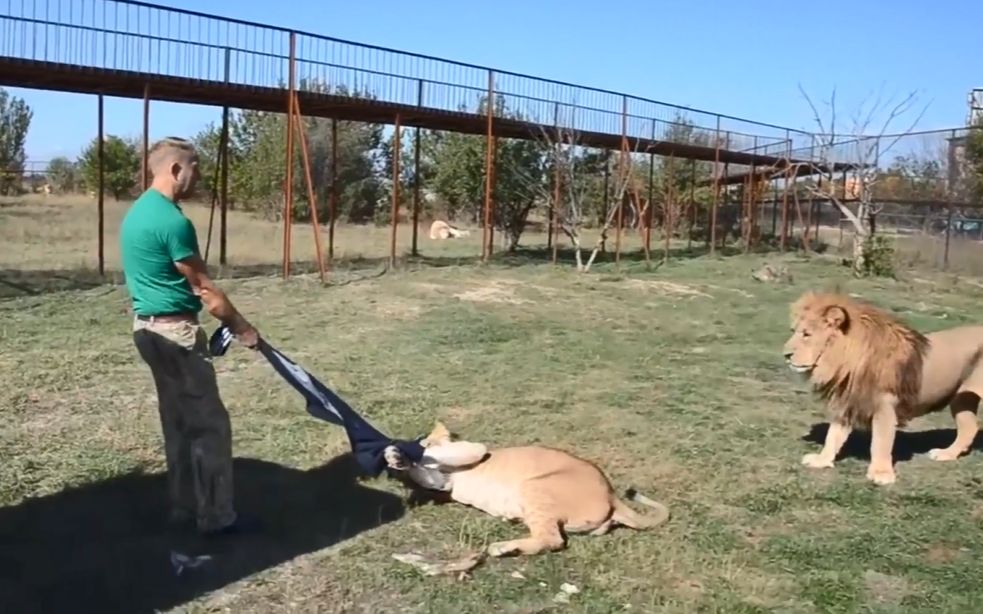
570	203
865	148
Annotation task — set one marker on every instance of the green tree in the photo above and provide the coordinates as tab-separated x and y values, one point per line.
257	171
911	177
520	176
15	121
407	170
459	179
63	174
121	165
974	160
359	185
207	144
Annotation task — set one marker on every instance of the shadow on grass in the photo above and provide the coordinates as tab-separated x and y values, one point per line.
907	444
15	283
105	546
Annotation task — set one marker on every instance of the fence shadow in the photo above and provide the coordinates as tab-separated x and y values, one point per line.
106	546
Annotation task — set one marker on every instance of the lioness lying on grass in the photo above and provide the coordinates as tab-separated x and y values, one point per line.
551	491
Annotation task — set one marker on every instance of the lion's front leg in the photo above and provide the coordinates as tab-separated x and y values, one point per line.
884	426
395	459
836	436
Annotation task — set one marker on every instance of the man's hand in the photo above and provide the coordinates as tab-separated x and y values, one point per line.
216	302
249	337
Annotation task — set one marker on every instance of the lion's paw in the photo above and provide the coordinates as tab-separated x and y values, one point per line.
394	458
943	454
501	548
881	477
817	461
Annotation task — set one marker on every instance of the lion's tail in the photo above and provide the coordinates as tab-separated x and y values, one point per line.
630	518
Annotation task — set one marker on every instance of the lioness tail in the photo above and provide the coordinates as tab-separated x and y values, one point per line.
630	518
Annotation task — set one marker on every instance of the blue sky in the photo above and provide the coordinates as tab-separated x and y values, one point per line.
741	58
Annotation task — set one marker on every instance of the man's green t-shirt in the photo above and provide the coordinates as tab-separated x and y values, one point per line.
154	235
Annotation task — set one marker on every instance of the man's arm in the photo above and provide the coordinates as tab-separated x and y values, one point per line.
182	245
215	300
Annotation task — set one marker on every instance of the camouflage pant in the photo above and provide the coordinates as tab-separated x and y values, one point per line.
195	423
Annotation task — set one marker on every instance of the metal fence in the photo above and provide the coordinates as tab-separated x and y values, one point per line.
921	185
145	38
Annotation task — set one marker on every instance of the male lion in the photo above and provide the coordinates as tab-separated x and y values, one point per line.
549	490
877	373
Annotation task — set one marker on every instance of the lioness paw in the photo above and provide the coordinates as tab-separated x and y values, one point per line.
881	476
943	454
817	461
501	548
394	458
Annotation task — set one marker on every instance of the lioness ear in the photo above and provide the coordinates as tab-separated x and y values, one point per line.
836	317
439	434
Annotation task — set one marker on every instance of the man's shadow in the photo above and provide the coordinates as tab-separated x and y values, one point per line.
907	444
106	546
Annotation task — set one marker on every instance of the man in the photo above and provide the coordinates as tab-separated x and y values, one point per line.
168	285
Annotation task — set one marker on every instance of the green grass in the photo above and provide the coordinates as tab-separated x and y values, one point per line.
671	379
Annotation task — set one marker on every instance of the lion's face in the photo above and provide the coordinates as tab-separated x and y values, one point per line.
443	450
812	333
438	436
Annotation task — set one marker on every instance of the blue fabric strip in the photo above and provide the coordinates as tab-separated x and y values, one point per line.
367	442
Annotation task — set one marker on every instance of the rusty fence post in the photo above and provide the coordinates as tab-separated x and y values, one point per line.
623	178
726	203
650	204
311	198
692	205
395	206
288	184
669	221
783	240
749	212
224	149
416	174
486	238
553	239
552	226
712	231
774	209
333	204
102	186
145	172
948	233
815	206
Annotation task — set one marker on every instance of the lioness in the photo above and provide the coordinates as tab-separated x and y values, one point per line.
550	491
440	229
877	373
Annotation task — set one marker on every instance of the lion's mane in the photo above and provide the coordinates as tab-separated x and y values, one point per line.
876	354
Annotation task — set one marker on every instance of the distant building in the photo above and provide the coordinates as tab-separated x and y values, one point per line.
975	103
956	166
956	162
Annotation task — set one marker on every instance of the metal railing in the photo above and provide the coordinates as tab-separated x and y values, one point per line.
145	38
